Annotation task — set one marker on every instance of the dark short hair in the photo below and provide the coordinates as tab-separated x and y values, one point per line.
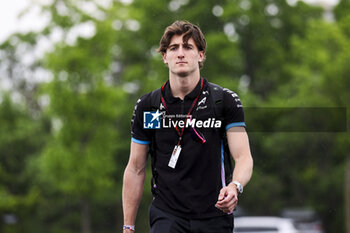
188	30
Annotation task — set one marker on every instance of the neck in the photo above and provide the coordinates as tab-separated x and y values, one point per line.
181	86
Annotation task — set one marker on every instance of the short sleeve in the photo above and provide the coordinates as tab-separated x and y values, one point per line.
138	133
233	110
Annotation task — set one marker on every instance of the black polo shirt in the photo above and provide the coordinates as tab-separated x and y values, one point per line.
190	189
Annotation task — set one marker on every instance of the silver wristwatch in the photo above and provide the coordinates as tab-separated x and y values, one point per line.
239	186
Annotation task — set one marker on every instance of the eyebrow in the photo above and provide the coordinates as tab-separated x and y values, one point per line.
173	45
177	45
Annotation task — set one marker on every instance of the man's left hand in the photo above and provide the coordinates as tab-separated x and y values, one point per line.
228	198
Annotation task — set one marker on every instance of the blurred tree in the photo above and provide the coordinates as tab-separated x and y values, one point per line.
21	138
80	159
341	10
20	70
264	29
318	70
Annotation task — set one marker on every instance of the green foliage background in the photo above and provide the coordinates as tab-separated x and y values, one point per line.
64	138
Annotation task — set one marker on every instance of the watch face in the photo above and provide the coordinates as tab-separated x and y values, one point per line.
240	189
239	186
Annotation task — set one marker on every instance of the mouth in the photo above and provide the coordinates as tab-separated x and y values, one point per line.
181	62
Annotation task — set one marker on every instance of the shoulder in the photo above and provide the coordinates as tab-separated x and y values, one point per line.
145	99
224	93
216	91
214	86
231	96
149	101
143	103
229	92
217	87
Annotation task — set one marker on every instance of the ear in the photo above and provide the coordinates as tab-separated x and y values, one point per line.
201	56
164	58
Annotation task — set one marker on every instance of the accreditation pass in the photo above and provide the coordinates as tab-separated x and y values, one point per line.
174	156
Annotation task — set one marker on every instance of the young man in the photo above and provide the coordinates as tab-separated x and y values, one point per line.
181	126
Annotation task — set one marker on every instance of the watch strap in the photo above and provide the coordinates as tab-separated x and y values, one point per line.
129	227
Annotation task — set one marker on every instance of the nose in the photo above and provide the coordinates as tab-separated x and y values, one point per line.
181	53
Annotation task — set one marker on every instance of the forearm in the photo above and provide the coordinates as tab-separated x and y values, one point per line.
240	150
132	193
243	169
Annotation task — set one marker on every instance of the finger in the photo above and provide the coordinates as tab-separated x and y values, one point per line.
222	194
228	207
231	203
223	204
233	208
229	210
227	199
226	202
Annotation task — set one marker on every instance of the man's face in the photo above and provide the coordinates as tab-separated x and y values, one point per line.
182	59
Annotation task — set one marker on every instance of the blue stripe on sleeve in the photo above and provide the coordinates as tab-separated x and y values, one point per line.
140	141
235	124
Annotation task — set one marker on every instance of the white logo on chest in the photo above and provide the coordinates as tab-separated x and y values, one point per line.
202	101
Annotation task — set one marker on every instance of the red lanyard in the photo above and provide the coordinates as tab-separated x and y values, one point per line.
189	112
